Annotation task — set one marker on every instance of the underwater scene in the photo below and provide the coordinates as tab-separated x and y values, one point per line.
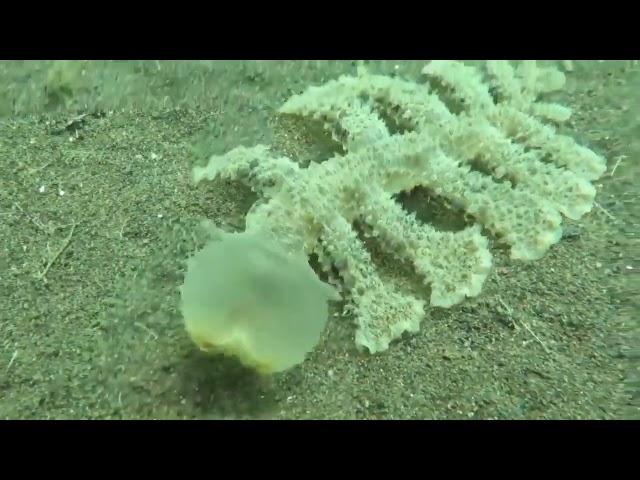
437	239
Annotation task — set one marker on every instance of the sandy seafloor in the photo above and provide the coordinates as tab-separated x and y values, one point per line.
97	214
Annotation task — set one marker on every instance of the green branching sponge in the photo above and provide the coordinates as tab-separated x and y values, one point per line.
481	138
244	295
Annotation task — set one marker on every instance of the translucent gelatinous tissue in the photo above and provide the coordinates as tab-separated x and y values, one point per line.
244	295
